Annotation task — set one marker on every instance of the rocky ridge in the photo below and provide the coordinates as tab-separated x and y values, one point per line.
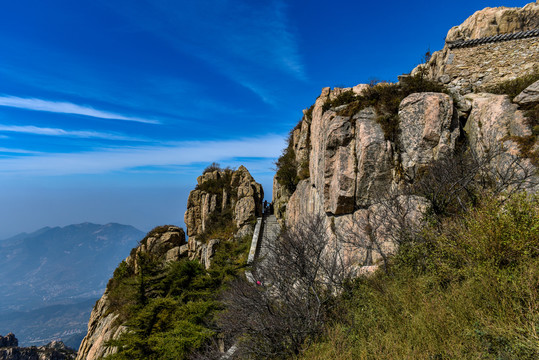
351	163
223	199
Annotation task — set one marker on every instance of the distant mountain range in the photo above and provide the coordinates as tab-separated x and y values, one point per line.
61	266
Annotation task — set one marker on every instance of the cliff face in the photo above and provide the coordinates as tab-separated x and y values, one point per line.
355	161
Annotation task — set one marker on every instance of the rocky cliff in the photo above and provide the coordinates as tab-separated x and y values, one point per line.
369	161
358	148
55	350
224	205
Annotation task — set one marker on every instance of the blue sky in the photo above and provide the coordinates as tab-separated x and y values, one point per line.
109	109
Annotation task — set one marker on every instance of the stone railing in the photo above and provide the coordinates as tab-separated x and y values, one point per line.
492	39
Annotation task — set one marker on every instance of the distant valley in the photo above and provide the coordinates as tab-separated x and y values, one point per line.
51	278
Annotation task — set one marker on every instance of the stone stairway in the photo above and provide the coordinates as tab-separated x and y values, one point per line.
266	232
271	229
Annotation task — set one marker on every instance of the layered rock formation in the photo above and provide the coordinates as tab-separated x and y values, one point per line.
479	66
55	350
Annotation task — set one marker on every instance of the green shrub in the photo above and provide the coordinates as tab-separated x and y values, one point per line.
212	167
220	225
169	309
287	167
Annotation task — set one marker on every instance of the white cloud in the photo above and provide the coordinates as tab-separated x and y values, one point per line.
65	108
65	133
126	158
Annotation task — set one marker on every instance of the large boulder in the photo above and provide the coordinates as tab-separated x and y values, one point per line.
492	121
374	158
494	128
494	21
429	129
248	195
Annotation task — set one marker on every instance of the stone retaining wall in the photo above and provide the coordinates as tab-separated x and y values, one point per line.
474	68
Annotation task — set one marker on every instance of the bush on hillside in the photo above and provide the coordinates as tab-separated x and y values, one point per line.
276	319
467	290
515	86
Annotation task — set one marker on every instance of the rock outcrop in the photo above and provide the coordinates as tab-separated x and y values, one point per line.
529	96
223	198
222	191
55	350
429	129
495	21
494	128
166	243
8	341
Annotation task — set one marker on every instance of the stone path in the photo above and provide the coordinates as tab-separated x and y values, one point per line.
270	233
266	231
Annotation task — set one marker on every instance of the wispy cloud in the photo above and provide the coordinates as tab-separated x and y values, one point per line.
251	43
17	151
127	158
34	130
66	108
